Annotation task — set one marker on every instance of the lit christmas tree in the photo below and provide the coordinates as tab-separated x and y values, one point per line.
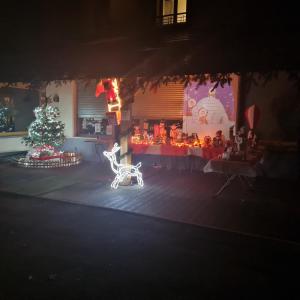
3	118
45	133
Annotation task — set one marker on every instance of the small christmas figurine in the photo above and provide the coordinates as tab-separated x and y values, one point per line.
136	130
240	139
219	139
136	137
240	143
173	132
184	137
195	139
156	131
227	151
251	139
179	135
207	141
162	132
145	135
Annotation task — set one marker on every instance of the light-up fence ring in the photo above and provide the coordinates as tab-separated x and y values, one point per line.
68	159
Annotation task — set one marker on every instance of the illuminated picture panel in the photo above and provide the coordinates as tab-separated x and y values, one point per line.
206	110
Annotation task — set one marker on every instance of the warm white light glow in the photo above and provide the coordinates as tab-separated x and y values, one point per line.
122	171
112	107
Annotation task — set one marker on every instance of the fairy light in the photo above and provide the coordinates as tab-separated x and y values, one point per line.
122	171
45	132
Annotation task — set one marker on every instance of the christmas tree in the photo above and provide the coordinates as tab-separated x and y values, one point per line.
3	118
45	130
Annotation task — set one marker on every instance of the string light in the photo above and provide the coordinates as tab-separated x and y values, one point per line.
122	171
116	106
45	130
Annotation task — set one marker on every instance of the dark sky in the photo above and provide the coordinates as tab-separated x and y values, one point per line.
44	28
33	22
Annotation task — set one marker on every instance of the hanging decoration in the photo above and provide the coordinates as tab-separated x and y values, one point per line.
122	171
106	86
111	89
252	115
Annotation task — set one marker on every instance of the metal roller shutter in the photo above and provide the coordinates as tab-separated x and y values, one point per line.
166	103
88	105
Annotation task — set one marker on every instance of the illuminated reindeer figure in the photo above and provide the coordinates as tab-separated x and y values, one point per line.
121	170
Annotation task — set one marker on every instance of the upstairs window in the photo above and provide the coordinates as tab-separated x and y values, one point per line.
171	12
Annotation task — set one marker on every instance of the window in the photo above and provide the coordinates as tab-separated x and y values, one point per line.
91	111
171	12
16	110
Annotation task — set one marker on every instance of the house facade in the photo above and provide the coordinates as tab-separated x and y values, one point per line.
151	38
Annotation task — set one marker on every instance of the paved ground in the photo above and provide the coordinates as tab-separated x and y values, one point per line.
272	210
56	250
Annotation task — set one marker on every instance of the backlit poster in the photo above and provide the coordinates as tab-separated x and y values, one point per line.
206	110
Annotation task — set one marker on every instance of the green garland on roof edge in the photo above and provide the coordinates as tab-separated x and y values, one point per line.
130	85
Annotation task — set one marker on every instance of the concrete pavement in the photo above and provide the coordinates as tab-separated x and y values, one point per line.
57	250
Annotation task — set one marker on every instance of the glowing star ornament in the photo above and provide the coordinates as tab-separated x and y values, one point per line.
121	170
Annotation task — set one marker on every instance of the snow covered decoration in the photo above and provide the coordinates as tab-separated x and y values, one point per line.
207	110
122	171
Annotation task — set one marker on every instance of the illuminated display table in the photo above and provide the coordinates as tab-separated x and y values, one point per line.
169	150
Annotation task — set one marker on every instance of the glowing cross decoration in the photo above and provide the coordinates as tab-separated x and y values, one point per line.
121	170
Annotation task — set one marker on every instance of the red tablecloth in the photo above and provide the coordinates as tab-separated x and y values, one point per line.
139	148
169	150
166	150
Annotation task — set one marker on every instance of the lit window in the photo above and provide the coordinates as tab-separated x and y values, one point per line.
181	11
171	11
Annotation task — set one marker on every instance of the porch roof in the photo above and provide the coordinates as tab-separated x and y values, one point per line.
184	53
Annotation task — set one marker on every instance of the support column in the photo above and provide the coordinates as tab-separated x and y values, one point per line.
241	101
125	128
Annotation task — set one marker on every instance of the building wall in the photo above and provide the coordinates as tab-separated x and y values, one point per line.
67	104
279	105
11	144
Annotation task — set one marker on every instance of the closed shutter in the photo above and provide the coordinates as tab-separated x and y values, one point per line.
88	105
166	103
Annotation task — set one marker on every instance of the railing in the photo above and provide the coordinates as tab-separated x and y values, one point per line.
171	19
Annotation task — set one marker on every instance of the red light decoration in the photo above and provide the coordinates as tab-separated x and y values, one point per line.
111	89
106	86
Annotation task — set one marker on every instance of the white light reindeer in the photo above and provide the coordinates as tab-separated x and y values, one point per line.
121	170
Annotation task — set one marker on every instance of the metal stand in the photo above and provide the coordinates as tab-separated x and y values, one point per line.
243	179
225	185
